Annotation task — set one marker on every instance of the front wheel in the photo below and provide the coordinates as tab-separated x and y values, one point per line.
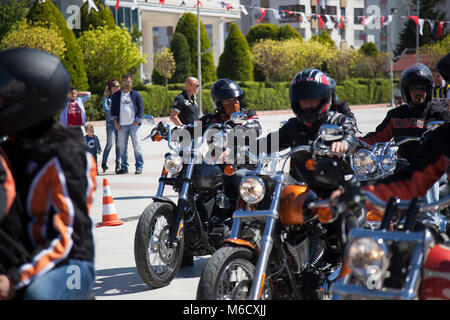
228	275
156	261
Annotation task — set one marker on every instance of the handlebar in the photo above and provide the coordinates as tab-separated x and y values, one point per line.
381	205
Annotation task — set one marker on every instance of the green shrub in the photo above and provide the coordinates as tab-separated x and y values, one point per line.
262	31
93	19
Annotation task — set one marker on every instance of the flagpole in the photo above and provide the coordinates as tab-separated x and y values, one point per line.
199	62
391	54
417	33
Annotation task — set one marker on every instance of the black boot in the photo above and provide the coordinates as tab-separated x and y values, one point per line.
117	166
104	167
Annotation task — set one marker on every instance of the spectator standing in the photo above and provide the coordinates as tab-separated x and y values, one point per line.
92	142
74	114
441	89
184	108
111	132
127	112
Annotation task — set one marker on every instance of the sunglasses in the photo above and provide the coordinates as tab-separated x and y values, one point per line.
417	88
117	86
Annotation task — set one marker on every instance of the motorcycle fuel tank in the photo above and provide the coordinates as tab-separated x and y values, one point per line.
291	204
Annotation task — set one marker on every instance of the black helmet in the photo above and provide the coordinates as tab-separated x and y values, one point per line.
416	73
333	89
306	85
225	89
33	86
443	66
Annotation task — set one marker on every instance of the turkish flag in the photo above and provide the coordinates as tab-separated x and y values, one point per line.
415	18
320	21
117	4
263	13
341	24
440	28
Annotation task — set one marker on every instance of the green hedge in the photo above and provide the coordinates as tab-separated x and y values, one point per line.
258	95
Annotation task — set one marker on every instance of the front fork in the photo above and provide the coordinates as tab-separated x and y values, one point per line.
266	241
175	231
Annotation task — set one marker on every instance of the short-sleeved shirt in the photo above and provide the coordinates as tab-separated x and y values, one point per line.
186	107
74	114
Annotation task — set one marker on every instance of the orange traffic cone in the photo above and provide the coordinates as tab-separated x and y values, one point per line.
109	213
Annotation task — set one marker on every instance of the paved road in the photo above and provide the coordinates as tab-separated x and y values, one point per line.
117	277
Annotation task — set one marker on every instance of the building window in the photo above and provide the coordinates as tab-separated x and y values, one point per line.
330	10
126	16
359	13
286	17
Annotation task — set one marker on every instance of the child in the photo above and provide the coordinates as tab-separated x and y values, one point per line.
92	142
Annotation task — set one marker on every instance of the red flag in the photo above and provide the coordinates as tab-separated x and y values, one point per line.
363	20
341	24
382	20
198	3
320	20
415	18
287	11
229	6
263	13
162	1
440	28
117	4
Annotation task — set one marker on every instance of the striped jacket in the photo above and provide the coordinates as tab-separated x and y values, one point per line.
442	91
404	121
433	162
55	183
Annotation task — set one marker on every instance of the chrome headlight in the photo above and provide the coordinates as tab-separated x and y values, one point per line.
173	163
364	162
388	164
367	256
252	189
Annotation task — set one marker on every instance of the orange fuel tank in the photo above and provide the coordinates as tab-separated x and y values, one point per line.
291	204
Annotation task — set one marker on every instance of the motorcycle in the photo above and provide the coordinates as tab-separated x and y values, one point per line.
403	259
170	234
295	251
373	162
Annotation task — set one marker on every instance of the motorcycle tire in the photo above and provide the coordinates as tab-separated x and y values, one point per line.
226	263
156	261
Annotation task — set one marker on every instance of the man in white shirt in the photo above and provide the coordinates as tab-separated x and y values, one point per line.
127	111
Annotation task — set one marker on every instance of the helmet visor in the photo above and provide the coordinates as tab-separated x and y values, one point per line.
10	87
309	90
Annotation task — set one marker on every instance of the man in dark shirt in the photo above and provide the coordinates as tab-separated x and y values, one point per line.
184	108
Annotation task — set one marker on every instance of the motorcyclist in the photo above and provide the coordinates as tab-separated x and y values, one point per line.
411	118
46	240
310	97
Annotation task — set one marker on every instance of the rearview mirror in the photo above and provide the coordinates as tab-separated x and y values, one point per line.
331	132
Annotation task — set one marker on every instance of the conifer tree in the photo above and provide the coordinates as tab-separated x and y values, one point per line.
93	19
427	10
47	13
180	50
235	62
187	25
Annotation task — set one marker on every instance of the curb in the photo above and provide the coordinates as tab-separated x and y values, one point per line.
270	112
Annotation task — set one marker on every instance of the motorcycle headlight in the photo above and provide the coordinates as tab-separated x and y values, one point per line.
367	256
173	164
252	189
364	162
388	164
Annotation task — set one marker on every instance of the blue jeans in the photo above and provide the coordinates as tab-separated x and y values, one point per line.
111	138
132	131
73	280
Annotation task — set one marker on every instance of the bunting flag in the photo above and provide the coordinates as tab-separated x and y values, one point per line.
199	3
276	13
288	12
415	18
440	28
341	24
369	20
243	10
382	20
389	20
117	4
421	26
134	5
304	19
322	4
164	2
431	25
263	13
182	3
91	4
363	20
229	6
320	21
329	23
